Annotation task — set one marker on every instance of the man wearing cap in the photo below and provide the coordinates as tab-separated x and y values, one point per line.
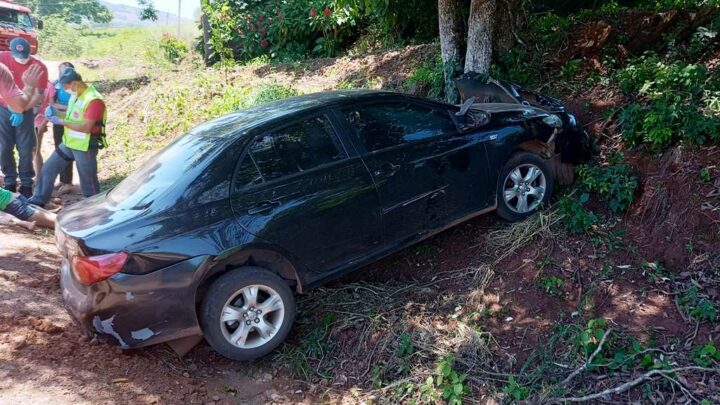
84	135
16	127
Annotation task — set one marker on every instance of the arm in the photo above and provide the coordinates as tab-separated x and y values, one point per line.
15	98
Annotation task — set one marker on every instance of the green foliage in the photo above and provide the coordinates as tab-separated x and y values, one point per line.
59	40
614	184
571	69
173	49
294	30
516	391
447	384
552	285
705	175
71	11
677	102
707	355
587	341
654	271
148	12
699	307
403	353
576	218
430	76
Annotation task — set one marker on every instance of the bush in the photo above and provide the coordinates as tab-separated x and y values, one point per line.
430	77
575	217
677	102
173	49
614	184
59	40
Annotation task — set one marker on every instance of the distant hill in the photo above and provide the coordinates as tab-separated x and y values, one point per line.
128	16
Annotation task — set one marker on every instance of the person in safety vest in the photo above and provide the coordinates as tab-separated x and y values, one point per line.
84	135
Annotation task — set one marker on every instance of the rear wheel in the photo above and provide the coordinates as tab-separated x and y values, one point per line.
247	313
525	184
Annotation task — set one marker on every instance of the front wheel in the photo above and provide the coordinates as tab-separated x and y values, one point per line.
525	184
247	313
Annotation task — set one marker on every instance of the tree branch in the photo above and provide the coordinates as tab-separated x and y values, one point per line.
630	384
589	360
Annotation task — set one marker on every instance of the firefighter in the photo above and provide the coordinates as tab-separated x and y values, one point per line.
83	137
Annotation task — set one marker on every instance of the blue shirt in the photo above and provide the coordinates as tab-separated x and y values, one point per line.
61	96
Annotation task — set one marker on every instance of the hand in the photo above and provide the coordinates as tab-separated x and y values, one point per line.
32	75
50	112
56	120
16	119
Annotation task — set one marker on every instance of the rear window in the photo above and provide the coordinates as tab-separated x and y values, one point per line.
189	152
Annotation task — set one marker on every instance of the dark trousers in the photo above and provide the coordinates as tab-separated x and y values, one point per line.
66	176
22	138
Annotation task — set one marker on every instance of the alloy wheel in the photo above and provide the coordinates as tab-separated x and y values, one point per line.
252	316
524	188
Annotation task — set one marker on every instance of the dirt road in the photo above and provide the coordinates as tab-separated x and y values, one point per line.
45	359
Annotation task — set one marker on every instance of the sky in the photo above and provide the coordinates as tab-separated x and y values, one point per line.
187	9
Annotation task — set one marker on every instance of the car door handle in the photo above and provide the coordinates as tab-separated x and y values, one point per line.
386	170
264	206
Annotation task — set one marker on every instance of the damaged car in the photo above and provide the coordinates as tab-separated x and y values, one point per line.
212	237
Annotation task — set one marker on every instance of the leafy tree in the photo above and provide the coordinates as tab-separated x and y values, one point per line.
148	12
72	11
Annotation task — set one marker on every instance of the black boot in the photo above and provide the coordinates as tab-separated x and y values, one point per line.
11	187
26	191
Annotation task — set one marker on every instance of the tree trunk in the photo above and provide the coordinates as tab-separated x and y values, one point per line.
508	16
451	42
480	36
206	39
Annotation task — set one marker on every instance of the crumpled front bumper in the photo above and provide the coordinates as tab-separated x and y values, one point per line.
137	310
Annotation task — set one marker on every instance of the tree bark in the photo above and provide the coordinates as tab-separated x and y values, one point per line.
206	39
478	58
451	43
508	16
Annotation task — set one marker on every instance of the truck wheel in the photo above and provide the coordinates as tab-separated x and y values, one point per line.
525	184
247	313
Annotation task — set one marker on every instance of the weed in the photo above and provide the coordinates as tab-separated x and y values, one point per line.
403	353
615	184
677	103
700	308
552	285
173	49
654	271
705	174
447	384
612	240
571	69
309	359
705	356
516	391
429	75
575	217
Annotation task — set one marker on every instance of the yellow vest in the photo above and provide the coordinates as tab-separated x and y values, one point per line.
76	114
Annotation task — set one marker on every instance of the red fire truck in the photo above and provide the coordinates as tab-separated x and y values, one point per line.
16	21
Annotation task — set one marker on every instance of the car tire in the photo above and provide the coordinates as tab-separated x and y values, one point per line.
247	313
534	188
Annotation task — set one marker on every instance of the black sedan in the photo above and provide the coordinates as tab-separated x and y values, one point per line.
211	236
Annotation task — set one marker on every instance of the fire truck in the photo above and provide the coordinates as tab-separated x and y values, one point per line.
17	21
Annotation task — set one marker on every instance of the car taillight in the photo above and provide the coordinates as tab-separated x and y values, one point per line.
91	269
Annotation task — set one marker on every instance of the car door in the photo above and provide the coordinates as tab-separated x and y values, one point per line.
426	173
300	188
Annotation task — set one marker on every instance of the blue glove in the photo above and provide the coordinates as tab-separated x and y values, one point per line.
55	120
16	119
49	112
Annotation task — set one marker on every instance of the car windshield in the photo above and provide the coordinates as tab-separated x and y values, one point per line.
15	18
160	172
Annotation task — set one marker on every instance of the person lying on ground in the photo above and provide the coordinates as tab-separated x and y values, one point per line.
25	214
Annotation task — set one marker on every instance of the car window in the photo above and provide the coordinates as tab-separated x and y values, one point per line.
296	148
247	173
381	126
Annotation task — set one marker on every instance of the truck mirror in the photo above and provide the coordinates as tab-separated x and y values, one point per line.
40	24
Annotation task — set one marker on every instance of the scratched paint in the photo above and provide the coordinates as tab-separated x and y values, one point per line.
106	327
142	334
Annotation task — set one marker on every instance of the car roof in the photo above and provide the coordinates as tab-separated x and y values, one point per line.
244	120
